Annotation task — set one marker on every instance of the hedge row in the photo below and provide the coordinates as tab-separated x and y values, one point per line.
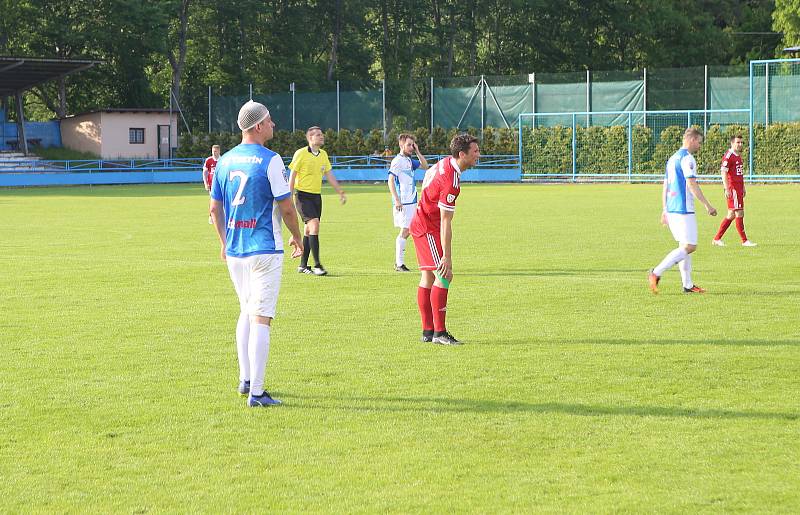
353	143
604	150
601	150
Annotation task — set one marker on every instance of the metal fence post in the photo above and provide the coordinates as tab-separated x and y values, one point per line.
630	147
209	109
644	97
483	104
705	99
750	137
766	95
292	88
588	98
338	120
431	135
383	101
251	91
574	149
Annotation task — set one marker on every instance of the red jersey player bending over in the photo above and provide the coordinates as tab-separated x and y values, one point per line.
733	180
432	231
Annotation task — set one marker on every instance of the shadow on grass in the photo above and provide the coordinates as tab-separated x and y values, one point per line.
551	272
112	191
645	341
443	405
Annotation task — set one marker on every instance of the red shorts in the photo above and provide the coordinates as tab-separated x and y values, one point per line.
736	200
429	251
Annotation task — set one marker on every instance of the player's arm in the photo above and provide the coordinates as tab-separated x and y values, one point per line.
218	215
292	178
664	202
725	184
393	190
289	216
446	233
205	178
333	182
423	163
698	194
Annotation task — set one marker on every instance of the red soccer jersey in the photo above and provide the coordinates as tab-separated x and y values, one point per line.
735	167
441	193
210	165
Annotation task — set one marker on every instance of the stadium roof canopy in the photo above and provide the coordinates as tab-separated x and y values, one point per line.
19	74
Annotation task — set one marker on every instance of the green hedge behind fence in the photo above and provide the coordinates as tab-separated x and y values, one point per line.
354	143
604	150
549	149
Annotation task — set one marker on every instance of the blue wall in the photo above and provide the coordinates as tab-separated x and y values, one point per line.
48	132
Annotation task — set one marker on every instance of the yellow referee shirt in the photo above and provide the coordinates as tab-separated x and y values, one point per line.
309	169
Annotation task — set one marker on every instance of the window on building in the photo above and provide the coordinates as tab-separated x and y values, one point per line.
136	136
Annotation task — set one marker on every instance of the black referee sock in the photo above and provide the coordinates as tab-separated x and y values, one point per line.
314	241
306	252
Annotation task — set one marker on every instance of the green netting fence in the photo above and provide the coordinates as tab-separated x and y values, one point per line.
497	101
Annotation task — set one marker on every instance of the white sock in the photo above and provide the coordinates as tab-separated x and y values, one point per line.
686	271
673	257
242	337
399	250
259	352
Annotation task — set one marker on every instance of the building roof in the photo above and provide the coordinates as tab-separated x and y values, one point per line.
127	110
19	74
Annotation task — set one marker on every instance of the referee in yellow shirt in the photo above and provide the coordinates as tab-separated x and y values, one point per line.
308	166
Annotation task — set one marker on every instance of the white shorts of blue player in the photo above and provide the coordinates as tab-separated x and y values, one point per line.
257	281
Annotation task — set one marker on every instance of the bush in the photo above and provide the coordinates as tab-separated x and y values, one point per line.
549	149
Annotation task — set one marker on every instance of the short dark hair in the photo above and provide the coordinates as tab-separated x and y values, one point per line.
461	143
404	136
692	132
736	136
313	128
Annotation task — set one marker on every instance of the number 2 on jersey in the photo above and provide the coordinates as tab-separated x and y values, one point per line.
238	199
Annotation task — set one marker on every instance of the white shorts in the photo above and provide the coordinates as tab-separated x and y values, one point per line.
257	280
683	227
403	217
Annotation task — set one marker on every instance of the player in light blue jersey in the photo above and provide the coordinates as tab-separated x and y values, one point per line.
403	188
677	199
249	198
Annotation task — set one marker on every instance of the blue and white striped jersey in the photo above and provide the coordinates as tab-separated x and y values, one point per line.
248	180
681	166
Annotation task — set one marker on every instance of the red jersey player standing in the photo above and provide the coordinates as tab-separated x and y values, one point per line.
733	180
432	230
209	165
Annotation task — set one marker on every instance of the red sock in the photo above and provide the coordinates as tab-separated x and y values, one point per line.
425	310
722	228
439	305
740	228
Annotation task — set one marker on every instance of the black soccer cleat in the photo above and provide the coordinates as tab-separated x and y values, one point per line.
427	337
401	268
445	338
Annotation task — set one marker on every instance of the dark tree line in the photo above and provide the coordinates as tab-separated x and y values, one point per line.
150	47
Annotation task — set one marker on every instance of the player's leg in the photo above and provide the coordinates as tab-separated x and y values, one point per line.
315	209
685	266
677	225
426	266
265	280
400	250
740	228
439	292
239	277
723	226
302	207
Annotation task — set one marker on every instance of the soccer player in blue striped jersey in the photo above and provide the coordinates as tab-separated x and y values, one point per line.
677	199
249	198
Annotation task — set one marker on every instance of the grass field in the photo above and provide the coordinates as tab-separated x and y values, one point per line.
578	390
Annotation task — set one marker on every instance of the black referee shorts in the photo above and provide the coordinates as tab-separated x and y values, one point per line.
309	205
